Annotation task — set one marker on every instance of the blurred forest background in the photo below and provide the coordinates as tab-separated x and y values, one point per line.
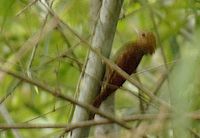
36	46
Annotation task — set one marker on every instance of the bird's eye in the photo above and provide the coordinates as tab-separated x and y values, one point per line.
143	35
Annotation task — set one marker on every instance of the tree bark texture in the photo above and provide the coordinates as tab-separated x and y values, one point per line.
101	40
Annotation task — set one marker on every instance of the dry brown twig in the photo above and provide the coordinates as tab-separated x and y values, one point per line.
64	97
108	62
154	127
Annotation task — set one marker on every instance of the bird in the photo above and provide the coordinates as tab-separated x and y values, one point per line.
127	58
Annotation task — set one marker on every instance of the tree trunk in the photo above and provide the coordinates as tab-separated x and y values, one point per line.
107	131
102	40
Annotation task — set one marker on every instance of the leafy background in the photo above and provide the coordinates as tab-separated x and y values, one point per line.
175	23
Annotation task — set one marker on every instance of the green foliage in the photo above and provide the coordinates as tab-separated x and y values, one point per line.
174	22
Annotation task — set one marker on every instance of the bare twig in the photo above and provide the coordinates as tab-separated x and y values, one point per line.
10	91
9	120
26	7
63	97
194	116
30	43
111	64
79	124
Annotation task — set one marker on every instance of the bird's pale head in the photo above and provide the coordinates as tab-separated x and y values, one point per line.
147	41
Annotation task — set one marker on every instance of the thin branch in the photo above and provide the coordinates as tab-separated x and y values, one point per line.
88	123
30	43
10	90
8	119
81	124
111	64
33	53
156	67
45	114
26	7
66	98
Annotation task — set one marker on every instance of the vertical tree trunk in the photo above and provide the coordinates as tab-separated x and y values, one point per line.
104	131
102	40
108	105
95	6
